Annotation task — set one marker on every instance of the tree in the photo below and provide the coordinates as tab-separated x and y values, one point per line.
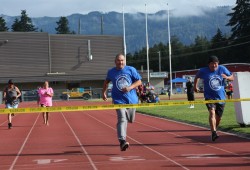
24	24
3	26
199	51
240	20
218	44
63	26
16	25
240	23
218	40
177	49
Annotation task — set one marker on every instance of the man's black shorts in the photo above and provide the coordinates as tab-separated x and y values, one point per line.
190	96
219	107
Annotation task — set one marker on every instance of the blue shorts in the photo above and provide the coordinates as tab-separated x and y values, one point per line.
10	106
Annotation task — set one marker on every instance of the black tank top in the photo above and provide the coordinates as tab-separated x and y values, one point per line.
11	96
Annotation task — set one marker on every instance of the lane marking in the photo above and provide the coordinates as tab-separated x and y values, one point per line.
158	153
48	161
24	143
200	156
126	158
80	144
217	148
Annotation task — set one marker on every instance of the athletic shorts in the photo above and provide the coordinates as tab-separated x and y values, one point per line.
219	107
43	105
10	106
190	96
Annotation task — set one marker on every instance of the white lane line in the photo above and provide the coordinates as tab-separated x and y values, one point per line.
214	147
6	121
25	141
158	153
79	142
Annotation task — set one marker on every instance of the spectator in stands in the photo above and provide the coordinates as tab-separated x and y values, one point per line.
163	91
190	91
125	80
149	87
11	96
45	99
213	76
140	93
152	97
150	94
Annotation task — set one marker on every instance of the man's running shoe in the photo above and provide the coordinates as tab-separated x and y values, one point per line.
12	114
9	125
124	145
214	136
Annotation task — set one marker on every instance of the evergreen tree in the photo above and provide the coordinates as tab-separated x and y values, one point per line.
218	40
3	26
24	24
200	51
219	43
201	44
240	23
63	26
16	25
177	49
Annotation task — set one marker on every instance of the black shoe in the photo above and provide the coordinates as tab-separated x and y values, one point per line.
12	114
214	136
9	125
124	145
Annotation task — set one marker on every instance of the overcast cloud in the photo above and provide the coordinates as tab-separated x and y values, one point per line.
56	8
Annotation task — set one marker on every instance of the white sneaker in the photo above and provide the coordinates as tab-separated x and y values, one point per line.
191	107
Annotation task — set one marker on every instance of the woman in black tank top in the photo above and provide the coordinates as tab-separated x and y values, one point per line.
10	95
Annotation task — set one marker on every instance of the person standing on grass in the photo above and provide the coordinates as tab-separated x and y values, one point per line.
190	91
169	93
229	90
213	76
45	94
125	80
11	96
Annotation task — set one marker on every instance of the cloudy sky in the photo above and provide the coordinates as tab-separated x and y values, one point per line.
55	8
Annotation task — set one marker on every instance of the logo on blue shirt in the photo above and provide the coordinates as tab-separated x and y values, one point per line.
122	82
215	82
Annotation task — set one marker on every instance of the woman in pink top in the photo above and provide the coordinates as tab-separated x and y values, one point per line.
45	99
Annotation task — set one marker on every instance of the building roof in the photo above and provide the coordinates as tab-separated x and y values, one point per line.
38	56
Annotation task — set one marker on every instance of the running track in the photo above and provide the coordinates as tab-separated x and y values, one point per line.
87	140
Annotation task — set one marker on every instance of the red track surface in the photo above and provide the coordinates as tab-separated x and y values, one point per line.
87	140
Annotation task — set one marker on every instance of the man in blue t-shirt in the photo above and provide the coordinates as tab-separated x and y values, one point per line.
213	77
125	80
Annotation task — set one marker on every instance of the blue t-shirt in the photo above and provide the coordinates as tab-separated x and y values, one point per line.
213	82
120	79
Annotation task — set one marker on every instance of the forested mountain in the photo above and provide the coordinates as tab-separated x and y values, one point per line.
185	28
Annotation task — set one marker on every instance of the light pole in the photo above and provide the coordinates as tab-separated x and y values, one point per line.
170	53
147	48
159	52
124	34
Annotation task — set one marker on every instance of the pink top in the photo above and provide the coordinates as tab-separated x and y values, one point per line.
44	98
